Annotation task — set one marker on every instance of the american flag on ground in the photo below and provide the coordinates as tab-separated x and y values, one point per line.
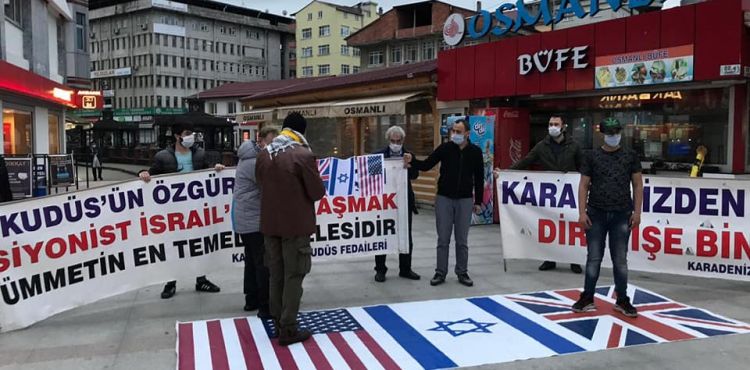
447	333
370	174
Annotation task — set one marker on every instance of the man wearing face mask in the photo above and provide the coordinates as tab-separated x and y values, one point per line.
181	157
556	152
461	172
395	137
607	208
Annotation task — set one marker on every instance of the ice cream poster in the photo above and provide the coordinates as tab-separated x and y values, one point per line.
483	136
659	66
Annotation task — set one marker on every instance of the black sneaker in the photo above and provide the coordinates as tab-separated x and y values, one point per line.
547	265
437	280
623	306
203	285
380	277
465	280
576	268
169	290
411	275
584	304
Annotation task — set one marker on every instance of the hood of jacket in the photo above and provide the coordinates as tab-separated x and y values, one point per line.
248	150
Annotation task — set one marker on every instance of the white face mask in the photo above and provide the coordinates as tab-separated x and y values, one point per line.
188	141
612	140
458	139
395	148
554	131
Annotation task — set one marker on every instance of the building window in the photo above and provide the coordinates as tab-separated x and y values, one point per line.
344	30
231	107
345	50
324	69
324	31
81	31
428	50
355	69
17	125
309	16
212	108
307	71
375	58
292	54
13	11
356	52
412	53
306	33
324	50
396	55
344	69
320	14
293	74
307	52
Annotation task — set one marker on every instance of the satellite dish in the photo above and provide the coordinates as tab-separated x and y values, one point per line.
284	13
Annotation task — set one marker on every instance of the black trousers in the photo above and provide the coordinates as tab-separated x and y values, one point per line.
256	273
404	259
94	171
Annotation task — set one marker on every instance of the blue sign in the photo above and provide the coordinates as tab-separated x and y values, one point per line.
499	23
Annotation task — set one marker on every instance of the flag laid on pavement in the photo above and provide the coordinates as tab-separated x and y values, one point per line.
447	333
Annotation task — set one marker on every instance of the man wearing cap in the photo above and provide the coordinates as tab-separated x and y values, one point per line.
607	208
556	152
290	184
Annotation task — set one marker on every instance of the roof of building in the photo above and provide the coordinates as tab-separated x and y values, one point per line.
242	89
347	9
367	77
208	4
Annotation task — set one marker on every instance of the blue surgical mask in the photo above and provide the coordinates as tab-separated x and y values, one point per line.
458	139
612	140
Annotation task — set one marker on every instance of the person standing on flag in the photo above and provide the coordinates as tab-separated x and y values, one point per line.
461	171
556	152
246	221
608	209
396	136
290	184
181	157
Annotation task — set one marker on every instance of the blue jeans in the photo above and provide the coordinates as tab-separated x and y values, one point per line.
616	224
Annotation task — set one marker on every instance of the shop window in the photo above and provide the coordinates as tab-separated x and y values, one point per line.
661	126
375	128
54	134
332	137
17	131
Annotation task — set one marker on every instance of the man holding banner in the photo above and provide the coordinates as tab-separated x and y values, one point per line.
461	171
556	152
607	209
290	184
182	157
395	137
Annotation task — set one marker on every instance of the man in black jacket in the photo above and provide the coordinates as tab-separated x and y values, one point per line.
461	171
181	157
395	137
556	152
5	194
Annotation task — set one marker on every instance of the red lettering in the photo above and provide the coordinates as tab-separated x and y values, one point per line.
389	202
547	225
651	242
215	217
323	207
725	243
51	253
740	245
562	231
4	261
33	252
672	241
374	204
356	204
158	224
339	205
176	221
706	243
194	220
635	239
107	234
123	227
576	234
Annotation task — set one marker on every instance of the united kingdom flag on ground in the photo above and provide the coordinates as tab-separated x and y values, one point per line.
447	333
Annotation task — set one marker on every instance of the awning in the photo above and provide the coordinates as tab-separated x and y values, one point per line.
316	110
254	117
375	106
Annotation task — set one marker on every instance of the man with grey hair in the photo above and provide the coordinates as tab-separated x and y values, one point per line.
395	137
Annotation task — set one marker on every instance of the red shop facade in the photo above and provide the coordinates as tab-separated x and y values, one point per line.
676	78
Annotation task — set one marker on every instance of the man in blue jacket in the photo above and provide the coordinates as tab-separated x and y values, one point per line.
395	137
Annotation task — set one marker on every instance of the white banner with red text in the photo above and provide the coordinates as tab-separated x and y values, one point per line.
65	251
689	226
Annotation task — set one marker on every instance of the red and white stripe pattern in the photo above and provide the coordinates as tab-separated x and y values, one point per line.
370	177
244	343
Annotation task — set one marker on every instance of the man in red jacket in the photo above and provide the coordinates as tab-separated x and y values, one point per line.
290	184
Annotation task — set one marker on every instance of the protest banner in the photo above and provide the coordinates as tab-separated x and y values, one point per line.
64	251
694	227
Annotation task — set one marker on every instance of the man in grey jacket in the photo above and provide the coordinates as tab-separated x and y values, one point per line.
246	219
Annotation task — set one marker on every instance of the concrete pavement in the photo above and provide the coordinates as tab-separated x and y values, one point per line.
137	330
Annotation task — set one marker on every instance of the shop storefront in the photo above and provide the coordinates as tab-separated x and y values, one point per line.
676	78
349	115
32	112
